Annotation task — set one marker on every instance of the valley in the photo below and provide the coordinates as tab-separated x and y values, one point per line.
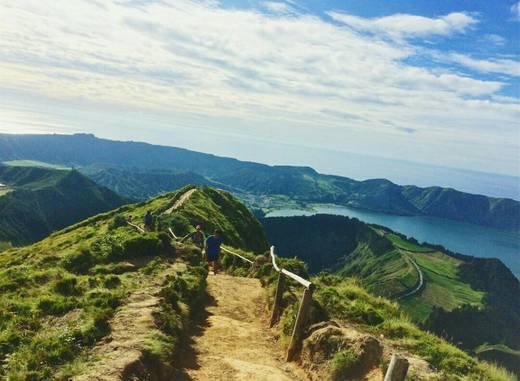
383	261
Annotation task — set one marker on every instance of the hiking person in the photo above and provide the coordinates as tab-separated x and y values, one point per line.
212	249
197	237
148	221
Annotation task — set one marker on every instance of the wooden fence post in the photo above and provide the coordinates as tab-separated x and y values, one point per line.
278	299
299	325
397	369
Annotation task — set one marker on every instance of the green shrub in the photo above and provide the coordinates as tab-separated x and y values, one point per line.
111	282
67	286
118	221
143	245
168	248
80	262
343	364
56	305
192	255
105	299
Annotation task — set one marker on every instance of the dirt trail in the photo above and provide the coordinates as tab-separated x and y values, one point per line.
181	200
236	344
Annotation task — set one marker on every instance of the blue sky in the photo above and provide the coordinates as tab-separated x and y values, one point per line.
431	82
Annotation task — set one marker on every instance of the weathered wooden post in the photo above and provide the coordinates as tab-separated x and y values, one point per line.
397	369
280	287
299	325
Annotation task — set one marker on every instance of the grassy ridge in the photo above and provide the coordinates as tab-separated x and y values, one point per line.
57	296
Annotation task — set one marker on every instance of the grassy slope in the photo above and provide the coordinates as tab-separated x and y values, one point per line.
57	295
345	301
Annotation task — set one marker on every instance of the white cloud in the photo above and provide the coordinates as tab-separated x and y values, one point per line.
406	25
494	39
268	75
499	66
515	11
277	7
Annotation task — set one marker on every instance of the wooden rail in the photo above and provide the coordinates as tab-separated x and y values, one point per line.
140	229
237	255
173	234
301	318
223	248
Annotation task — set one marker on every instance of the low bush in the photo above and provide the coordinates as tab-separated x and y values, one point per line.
56	305
79	262
144	245
111	281
67	286
343	364
118	221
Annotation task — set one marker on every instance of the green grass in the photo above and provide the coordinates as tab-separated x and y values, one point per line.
345	301
443	287
35	163
407	245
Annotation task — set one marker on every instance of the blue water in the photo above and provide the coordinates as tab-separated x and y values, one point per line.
456	236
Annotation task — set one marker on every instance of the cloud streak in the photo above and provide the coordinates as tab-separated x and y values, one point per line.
406	26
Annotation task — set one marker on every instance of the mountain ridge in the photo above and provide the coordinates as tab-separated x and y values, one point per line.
256	180
44	200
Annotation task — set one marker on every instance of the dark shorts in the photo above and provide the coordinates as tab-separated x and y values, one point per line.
212	256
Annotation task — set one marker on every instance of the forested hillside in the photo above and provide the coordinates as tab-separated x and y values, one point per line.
456	289
252	179
43	200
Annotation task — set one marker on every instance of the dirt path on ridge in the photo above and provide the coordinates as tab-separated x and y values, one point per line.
181	200
235	343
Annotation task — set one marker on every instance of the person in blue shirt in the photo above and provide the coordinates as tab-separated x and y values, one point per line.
212	249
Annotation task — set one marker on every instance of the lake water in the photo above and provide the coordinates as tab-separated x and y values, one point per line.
456	236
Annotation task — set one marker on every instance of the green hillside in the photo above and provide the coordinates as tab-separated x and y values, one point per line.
455	288
58	294
43	200
60	298
257	183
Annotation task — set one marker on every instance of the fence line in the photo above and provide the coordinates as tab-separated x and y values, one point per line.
140	229
303	311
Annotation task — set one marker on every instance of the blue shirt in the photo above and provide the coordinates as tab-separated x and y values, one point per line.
213	245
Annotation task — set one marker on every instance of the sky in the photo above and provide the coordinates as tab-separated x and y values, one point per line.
425	82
